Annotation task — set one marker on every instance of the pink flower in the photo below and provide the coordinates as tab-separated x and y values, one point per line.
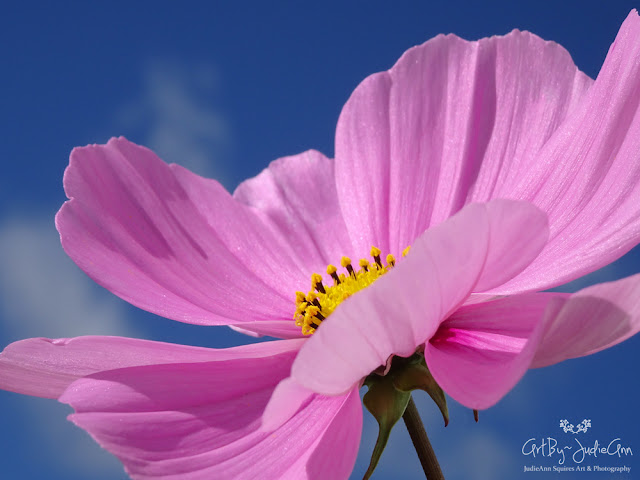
508	121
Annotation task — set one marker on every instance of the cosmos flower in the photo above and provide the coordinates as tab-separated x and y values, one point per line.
504	169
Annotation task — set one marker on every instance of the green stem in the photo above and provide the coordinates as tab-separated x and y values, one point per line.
421	442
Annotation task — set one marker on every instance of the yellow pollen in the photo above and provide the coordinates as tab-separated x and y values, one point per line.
405	252
375	253
316	283
331	270
312	310
391	260
321	301
346	263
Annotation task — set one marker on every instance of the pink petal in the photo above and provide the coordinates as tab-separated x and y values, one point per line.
587	177
45	367
202	421
276	328
483	244
297	197
481	351
335	455
287	398
591	320
180	246
451	121
517	234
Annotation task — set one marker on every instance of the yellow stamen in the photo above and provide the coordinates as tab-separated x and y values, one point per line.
312	310
364	264
375	253
405	252
321	301
331	270
316	282
346	263
391	260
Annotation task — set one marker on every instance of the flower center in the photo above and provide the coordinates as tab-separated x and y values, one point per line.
322	300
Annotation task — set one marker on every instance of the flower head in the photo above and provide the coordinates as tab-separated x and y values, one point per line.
506	170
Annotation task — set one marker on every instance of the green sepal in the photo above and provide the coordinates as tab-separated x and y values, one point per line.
389	395
387	404
416	376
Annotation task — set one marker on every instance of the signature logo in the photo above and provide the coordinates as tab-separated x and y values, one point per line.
549	447
576	449
582	427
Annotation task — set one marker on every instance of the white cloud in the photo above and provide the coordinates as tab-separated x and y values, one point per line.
175	116
43	293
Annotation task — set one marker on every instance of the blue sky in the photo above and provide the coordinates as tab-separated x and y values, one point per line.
223	88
